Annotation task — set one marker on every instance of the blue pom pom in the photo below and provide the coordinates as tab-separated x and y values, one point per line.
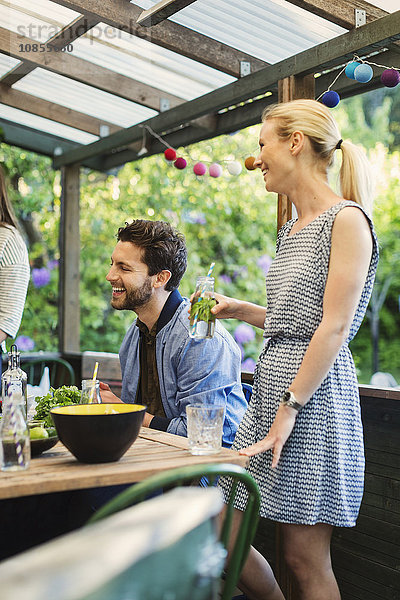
350	68
363	73
330	99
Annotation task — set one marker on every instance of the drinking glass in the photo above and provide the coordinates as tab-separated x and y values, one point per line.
204	428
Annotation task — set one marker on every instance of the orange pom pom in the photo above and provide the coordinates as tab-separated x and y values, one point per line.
249	163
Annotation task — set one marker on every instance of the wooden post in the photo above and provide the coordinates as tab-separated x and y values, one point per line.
292	88
69	242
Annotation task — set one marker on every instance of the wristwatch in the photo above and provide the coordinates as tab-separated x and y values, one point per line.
289	399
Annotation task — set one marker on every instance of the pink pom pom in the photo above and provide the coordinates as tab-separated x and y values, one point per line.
215	170
199	168
180	163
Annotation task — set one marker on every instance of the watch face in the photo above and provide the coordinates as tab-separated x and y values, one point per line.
286	396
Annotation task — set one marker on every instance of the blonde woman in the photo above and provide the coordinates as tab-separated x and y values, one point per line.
302	430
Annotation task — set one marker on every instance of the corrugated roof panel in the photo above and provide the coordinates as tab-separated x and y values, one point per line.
81	97
268	29
147	63
7	63
388	5
39	20
23	118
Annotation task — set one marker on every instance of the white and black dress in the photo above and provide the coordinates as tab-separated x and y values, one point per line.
320	475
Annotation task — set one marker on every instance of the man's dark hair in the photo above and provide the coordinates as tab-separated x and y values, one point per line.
162	246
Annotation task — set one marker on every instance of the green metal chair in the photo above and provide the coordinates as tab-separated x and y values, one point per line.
60	370
192	476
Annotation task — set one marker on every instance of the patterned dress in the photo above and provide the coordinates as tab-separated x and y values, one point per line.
320	475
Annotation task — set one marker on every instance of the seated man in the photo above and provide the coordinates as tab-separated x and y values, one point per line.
162	366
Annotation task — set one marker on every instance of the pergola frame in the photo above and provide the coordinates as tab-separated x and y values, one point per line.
225	110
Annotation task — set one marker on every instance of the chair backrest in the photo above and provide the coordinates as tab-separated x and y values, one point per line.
60	371
193	475
173	553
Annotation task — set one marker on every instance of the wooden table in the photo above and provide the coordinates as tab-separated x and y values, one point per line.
154	451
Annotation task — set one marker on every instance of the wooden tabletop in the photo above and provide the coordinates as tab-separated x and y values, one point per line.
154	451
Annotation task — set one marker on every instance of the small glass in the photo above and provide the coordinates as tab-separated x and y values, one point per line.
90	393
204	428
202	321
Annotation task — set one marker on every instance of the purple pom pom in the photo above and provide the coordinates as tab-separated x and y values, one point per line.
390	77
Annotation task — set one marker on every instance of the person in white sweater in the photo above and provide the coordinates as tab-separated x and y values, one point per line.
14	268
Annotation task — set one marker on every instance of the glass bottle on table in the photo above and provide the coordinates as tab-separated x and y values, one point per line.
14	379
15	446
90	393
202	320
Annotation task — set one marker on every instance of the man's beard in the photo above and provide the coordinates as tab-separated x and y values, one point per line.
134	298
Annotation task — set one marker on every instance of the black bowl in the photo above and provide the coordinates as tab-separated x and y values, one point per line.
41	445
98	433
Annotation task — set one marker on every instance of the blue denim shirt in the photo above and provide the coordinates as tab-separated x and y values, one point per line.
189	371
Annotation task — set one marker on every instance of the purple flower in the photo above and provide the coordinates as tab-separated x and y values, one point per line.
248	365
52	264
24	343
244	333
194	217
225	278
40	277
264	262
240	272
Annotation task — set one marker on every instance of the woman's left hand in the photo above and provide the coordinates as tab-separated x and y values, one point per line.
280	430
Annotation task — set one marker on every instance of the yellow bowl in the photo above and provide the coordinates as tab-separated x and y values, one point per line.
96	433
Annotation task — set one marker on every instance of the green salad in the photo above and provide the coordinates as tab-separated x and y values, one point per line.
67	394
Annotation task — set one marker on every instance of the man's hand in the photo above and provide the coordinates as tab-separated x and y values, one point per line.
147	419
107	395
280	430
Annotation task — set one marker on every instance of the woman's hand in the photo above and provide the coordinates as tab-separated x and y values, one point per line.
226	308
280	430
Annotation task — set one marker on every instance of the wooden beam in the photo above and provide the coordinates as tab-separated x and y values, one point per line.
341	12
54	112
85	72
59	40
28	138
201	48
328	54
69	307
161	11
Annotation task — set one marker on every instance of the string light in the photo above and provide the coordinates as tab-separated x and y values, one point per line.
361	70
234	167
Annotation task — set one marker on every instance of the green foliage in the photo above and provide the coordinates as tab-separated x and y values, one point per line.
202	308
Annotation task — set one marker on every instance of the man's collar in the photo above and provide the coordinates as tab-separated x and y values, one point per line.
166	314
169	309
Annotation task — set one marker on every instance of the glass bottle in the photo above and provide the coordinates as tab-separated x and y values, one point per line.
15	449
14	379
90	393
202	321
